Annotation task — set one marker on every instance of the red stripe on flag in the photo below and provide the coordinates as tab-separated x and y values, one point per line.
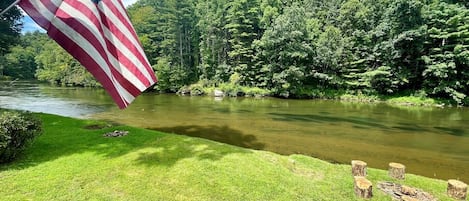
34	14
49	5
126	22
117	53
92	38
92	66
122	58
84	37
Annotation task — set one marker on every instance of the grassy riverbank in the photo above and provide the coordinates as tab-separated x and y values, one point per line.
73	161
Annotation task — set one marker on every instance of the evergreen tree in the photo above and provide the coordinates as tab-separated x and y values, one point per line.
10	27
243	27
284	52
447	58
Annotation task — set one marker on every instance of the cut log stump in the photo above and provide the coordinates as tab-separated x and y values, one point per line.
358	168
363	187
397	171
457	189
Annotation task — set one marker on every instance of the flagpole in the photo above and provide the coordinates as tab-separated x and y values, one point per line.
9	7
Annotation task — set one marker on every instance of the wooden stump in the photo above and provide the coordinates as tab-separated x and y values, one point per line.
397	171
358	168
457	189
363	187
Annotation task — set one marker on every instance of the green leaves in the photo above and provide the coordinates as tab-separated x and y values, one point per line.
289	47
447	46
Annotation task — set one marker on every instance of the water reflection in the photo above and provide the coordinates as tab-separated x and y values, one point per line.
35	97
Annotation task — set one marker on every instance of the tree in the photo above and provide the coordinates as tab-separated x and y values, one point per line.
243	27
56	66
20	62
284	52
168	32
213	43
447	58
10	27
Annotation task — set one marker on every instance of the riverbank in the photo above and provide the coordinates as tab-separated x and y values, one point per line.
419	99
73	161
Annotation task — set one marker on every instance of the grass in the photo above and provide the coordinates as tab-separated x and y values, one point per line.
73	161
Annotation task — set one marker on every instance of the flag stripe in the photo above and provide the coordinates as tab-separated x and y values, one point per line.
90	33
83	41
122	34
51	5
94	63
101	38
121	19
94	67
34	13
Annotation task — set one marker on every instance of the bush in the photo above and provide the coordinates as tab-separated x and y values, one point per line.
193	90
17	131
256	92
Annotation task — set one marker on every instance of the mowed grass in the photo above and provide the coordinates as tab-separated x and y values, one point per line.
73	162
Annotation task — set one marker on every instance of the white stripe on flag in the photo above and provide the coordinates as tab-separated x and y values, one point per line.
90	25
88	47
103	41
127	33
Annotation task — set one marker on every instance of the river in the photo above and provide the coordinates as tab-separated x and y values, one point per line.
432	142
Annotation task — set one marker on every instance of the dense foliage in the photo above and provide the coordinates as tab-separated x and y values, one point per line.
301	48
9	29
17	131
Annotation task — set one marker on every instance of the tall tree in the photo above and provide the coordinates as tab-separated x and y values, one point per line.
10	27
213	40
284	52
447	58
168	30
243	27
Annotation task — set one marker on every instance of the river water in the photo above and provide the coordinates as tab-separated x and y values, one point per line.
433	142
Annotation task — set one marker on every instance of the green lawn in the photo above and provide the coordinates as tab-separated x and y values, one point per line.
71	162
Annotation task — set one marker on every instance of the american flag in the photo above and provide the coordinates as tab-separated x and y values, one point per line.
98	33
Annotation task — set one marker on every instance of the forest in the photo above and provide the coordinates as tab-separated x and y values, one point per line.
290	48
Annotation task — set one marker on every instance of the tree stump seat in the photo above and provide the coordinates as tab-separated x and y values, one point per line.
397	171
363	187
457	189
358	168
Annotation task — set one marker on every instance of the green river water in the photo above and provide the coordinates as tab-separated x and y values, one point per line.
432	142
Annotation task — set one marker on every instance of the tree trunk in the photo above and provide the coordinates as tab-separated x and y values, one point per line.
457	189
358	168
397	171
363	187
181	59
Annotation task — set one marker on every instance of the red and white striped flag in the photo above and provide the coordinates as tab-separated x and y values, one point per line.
98	33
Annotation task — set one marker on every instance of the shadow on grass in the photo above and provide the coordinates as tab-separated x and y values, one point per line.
64	137
170	150
222	134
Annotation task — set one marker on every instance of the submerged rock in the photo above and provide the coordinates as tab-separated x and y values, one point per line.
218	93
